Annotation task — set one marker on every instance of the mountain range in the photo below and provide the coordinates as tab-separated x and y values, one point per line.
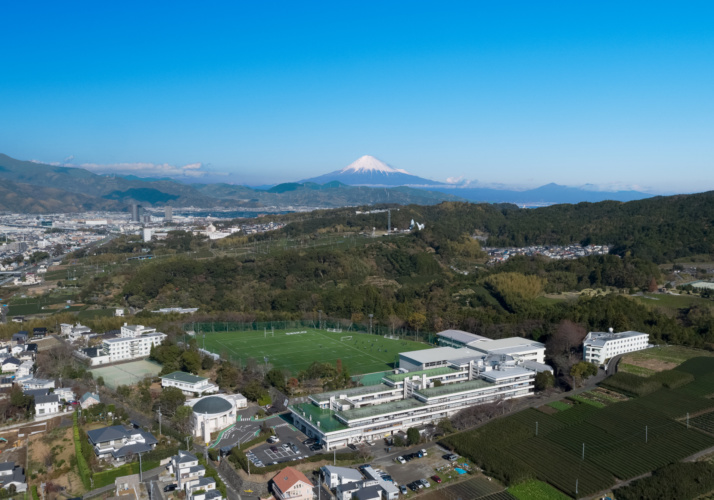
369	171
31	187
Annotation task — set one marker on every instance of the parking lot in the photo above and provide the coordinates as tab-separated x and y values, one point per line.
268	454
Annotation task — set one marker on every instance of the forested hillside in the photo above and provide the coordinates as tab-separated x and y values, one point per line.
657	229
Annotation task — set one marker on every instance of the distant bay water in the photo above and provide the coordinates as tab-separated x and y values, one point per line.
230	214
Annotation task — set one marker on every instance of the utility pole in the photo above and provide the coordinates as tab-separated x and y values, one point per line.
140	476
583	451
370	322
159	412
687	420
187	438
334	456
536	428
645	433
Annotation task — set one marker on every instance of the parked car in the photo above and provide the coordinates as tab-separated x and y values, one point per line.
294	448
436	479
403	490
452	457
425	482
274	449
316	447
309	441
413	486
423	452
286	446
273	439
401	460
352	447
170	487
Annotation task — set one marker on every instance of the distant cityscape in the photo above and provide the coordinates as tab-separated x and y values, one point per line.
497	255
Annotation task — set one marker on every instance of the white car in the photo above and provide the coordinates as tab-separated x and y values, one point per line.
423	452
273	439
401	460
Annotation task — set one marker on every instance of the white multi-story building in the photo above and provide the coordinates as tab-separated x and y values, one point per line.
123	348
135	330
458	344
599	347
460	379
189	384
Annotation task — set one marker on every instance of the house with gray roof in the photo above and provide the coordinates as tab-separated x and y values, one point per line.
12	474
189	384
119	443
48	404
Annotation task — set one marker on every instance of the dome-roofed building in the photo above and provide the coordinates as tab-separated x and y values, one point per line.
214	413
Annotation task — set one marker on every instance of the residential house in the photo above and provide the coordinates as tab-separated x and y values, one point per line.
36	383
65	394
39	332
185	467
202	484
12	474
36	392
88	400
25	369
119	443
335	476
189	384
46	405
10	365
20	337
292	484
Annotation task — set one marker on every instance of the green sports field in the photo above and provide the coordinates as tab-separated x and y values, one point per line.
364	353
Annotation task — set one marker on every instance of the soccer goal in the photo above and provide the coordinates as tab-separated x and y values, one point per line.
347	337
335	330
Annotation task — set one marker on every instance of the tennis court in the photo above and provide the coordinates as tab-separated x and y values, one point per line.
295	350
126	373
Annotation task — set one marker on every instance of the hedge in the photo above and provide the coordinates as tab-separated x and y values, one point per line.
82	464
35	495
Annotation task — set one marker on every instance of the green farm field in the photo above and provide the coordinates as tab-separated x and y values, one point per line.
364	353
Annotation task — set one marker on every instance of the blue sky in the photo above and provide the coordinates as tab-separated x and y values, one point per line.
617	94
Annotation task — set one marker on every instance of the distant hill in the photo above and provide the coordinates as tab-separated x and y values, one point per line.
38	188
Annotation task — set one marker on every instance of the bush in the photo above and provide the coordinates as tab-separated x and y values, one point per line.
82	464
213	454
682	481
107	477
671	379
632	385
35	495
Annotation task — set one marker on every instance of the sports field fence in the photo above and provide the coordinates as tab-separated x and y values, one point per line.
342	326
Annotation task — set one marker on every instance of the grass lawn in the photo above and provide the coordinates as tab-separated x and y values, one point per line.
659	358
635	370
363	353
666	300
560	405
536	490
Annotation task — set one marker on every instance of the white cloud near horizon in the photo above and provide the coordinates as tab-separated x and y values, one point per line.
140	169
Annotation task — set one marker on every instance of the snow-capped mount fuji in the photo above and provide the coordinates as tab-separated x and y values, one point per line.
369	171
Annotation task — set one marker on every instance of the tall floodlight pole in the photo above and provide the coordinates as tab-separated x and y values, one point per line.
370	322
319	324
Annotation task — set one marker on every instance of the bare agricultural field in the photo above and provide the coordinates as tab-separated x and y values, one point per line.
660	358
49	459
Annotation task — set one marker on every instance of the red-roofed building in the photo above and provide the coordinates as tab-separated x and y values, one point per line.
292	484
